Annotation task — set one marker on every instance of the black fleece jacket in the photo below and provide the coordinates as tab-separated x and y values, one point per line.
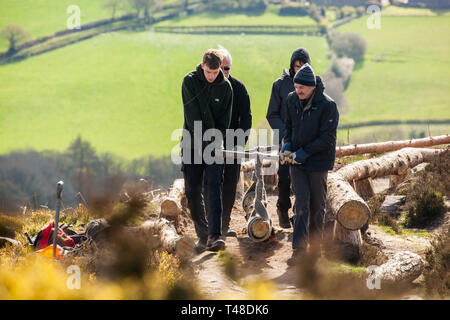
210	103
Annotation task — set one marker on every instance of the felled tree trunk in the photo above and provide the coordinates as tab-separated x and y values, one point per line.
170	240
348	208
369	148
403	267
172	205
396	163
391	145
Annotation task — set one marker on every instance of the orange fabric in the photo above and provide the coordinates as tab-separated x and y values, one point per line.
48	252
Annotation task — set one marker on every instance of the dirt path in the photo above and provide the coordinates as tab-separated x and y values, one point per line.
261	261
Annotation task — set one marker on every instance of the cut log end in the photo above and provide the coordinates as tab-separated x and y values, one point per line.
353	215
260	228
170	208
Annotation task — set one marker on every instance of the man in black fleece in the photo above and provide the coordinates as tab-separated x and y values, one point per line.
276	115
207	100
311	124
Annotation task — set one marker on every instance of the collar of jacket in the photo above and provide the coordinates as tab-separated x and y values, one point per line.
310	100
219	80
286	74
318	92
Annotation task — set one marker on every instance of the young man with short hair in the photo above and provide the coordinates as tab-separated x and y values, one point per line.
207	100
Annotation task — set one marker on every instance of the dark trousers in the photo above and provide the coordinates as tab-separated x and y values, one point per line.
231	174
209	222
230	179
284	188
310	190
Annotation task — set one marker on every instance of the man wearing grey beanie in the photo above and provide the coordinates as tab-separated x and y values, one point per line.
311	125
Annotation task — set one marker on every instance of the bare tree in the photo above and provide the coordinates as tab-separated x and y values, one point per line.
14	34
112	5
147	6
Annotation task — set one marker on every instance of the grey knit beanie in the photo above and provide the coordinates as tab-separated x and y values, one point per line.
305	76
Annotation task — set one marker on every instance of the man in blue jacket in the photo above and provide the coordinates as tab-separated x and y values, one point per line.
311	125
276	116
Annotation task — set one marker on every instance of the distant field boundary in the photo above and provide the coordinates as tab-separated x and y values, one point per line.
392	122
238	29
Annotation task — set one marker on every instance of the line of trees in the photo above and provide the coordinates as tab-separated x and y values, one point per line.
29	177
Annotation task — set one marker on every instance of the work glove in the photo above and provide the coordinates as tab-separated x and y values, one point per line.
285	152
299	156
286	147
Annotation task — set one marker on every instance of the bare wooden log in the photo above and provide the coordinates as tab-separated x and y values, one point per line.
344	235
368	148
403	267
396	163
391	145
364	188
172	205
170	240
348	208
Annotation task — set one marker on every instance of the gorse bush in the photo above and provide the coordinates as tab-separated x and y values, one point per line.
425	196
123	267
426	206
437	268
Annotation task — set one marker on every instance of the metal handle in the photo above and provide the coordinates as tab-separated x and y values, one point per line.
59	188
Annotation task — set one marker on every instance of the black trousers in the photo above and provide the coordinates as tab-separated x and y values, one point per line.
230	179
284	188
209	221
310	190
231	174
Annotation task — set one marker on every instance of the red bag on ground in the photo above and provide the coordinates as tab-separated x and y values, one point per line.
46	238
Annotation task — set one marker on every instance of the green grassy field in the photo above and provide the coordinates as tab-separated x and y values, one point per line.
44	17
122	91
270	17
406	71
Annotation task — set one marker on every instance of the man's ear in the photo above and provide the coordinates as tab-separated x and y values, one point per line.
201	64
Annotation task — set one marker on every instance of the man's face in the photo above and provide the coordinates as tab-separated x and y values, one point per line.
226	67
303	92
297	65
210	74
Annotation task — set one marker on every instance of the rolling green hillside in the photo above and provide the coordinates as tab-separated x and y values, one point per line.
406	71
122	91
44	17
